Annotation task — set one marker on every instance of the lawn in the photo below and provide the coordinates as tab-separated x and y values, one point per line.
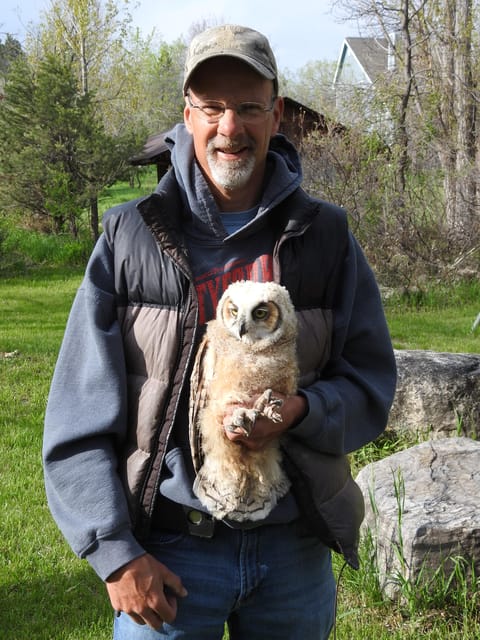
45	592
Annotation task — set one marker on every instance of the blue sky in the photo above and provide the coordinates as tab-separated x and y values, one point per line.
309	33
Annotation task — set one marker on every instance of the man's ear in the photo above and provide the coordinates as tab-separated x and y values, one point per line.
277	115
187	114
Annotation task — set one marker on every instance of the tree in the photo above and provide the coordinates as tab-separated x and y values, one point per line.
431	96
91	31
9	50
137	81
312	86
453	79
54	153
149	81
92	34
136	91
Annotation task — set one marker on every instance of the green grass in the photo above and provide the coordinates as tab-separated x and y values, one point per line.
448	329
440	320
45	592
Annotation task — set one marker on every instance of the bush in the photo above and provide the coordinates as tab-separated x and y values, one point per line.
403	231
21	249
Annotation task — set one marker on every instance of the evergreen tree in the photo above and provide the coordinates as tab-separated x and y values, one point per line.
54	153
9	50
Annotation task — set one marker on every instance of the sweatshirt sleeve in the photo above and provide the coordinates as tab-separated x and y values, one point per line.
349	404
85	422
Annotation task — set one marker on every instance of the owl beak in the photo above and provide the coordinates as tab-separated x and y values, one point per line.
242	329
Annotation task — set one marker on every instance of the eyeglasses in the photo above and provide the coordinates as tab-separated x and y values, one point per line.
248	112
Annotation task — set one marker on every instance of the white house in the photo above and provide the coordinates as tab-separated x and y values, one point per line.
362	63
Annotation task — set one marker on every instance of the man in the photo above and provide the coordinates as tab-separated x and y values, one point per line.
118	462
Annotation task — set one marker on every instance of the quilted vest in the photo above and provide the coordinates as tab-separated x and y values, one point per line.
158	314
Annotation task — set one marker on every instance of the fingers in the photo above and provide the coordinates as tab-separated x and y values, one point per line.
148	617
279	414
172	584
153	615
159	608
146	590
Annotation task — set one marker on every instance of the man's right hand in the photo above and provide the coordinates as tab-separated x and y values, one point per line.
146	590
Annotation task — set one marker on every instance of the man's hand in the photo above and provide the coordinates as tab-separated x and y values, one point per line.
146	590
292	410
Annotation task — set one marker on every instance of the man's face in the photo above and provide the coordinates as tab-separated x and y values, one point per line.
231	152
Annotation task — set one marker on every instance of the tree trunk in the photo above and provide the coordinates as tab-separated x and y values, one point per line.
406	56
94	217
465	118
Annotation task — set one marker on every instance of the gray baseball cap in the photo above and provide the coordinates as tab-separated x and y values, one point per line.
235	41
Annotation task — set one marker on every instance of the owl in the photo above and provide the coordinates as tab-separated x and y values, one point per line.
249	349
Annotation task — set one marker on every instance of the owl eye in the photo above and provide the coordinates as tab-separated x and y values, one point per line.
260	313
233	310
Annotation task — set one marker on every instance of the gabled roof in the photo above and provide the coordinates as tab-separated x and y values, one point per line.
299	107
371	55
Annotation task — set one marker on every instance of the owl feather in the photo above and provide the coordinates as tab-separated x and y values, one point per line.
249	350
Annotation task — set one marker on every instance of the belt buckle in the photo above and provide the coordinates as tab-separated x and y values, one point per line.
199	523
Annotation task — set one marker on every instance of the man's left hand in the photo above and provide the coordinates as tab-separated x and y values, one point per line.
292	410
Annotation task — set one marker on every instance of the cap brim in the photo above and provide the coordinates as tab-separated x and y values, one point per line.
254	64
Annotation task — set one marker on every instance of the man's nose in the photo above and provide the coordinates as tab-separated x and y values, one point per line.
230	122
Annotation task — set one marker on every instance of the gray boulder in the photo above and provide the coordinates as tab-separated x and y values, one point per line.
437	392
422	511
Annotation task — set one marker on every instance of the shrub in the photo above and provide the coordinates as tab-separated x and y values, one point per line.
21	249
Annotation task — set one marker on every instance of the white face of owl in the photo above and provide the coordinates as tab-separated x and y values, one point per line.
257	313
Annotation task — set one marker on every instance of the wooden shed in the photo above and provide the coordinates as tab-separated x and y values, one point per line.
299	120
155	151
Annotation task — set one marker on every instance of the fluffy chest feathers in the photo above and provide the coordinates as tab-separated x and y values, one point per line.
238	366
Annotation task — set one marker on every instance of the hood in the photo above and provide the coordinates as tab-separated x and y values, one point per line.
283	176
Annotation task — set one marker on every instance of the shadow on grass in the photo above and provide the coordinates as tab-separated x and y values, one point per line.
56	607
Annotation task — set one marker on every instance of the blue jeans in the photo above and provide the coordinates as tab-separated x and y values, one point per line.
269	583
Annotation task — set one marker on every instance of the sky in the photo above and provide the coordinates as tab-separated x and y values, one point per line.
299	32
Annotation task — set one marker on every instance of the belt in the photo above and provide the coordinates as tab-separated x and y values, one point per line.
181	518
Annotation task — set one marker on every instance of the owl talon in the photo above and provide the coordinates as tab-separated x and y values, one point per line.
267	406
241	431
243	421
272	414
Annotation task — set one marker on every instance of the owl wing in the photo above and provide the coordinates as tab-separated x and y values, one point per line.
202	373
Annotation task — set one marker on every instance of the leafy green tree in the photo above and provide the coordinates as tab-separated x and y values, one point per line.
9	50
91	31
149	82
136	85
136	80
312	86
54	153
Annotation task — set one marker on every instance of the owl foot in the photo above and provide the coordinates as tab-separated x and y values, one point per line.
266	405
243	420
